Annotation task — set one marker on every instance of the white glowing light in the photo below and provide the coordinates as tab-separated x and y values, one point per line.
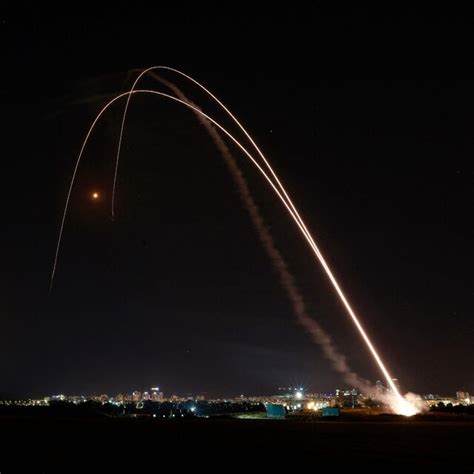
402	407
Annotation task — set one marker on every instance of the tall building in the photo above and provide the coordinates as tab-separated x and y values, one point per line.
463	396
137	396
346	398
156	395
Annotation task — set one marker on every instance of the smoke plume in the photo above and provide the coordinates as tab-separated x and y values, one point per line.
287	280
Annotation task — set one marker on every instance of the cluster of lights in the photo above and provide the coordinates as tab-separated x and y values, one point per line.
311	406
315	406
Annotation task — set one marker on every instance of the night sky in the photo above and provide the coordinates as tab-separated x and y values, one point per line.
178	292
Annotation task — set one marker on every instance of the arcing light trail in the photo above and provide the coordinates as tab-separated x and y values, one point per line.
399	404
403	405
162	94
287	280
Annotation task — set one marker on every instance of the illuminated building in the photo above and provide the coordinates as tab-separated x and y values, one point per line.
156	395
346	398
463	396
136	396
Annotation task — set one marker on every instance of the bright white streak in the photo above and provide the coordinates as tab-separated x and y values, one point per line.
197	110
403	406
287	280
288	203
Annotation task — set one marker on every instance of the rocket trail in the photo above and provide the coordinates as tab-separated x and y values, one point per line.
316	332
236	121
404	406
161	94
284	197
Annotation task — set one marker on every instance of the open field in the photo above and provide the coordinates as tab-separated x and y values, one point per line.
55	442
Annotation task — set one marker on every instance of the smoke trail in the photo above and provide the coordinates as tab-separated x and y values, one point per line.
399	404
402	405
317	333
279	189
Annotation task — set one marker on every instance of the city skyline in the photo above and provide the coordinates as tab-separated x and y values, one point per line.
155	393
294	398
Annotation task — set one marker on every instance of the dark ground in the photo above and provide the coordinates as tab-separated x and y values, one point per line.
65	444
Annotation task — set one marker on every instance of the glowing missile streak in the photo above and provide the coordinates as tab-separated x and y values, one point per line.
162	94
208	92
287	203
278	183
286	200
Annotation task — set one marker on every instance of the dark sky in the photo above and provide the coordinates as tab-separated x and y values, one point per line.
178	292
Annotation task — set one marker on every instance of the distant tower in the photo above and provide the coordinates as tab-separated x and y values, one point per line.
136	396
156	395
379	387
463	396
